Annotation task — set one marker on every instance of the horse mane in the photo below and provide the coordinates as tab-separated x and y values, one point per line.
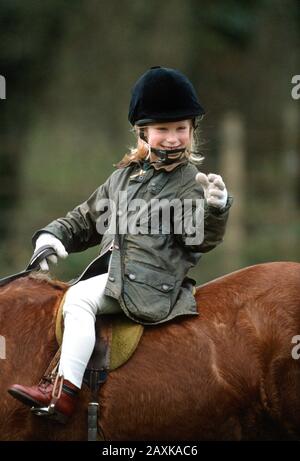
48	279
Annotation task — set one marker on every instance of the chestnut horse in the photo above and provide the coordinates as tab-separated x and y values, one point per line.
227	374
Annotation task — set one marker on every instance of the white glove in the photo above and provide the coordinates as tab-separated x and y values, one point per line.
48	239
215	191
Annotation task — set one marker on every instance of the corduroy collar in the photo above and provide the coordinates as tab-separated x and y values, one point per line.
145	164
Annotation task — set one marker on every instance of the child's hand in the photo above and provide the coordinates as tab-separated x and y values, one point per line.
215	191
48	239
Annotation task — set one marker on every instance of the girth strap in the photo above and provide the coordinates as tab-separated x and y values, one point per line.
96	374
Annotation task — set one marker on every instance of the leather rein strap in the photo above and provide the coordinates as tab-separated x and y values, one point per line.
34	264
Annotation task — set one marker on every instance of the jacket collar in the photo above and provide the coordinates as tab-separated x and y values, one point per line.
144	164
170	166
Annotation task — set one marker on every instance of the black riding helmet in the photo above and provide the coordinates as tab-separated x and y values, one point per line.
163	95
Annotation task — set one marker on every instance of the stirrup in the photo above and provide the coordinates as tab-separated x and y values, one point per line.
50	411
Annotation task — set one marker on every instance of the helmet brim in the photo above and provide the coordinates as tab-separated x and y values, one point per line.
149	121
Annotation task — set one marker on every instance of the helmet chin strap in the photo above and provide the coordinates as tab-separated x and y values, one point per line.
164	155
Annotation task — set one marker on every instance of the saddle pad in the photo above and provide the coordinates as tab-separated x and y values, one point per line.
126	335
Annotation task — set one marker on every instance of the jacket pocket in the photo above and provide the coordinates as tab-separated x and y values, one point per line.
147	292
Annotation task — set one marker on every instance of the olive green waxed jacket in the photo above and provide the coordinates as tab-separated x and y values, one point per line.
148	262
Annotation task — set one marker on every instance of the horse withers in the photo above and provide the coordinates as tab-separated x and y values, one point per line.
228	374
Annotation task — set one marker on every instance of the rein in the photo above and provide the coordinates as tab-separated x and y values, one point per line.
34	264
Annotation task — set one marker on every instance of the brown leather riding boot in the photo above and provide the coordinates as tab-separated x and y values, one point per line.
60	402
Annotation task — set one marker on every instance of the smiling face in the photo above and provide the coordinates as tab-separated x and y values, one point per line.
170	135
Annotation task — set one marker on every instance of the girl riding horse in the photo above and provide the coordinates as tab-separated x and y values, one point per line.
144	256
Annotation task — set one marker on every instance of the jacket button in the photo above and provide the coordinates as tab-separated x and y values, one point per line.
165	287
112	279
132	276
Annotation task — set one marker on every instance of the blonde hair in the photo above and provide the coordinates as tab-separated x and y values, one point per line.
141	151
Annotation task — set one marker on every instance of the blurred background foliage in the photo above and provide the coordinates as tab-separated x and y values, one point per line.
69	67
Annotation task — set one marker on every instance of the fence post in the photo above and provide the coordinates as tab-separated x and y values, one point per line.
233	169
288	178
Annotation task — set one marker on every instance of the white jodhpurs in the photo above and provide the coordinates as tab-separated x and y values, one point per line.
82	304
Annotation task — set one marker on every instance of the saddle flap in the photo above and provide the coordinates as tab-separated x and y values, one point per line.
100	358
117	337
